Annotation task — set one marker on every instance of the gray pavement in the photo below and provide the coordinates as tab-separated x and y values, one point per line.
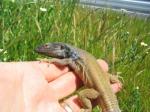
137	6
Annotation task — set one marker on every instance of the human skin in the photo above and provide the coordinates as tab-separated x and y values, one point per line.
38	86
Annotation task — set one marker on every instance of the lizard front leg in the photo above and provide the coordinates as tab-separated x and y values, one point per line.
62	62
65	62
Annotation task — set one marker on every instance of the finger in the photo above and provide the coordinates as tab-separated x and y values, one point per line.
65	85
103	65
50	71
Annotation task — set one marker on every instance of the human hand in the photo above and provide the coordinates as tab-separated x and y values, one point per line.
39	87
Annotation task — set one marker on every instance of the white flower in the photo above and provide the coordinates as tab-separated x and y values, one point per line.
5	59
144	44
5	52
1	50
13	1
137	87
43	9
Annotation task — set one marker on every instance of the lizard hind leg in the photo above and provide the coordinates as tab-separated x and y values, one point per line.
85	96
59	62
114	79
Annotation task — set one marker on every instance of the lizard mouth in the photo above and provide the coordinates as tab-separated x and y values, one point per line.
40	50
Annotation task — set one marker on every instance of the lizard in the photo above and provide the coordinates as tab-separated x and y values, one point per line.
84	64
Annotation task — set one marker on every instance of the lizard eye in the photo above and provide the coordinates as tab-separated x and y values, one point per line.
46	46
61	47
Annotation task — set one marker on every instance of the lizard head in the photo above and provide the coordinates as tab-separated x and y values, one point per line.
55	50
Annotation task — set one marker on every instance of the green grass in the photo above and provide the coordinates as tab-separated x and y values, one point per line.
112	36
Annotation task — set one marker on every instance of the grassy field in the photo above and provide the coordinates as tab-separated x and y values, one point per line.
123	41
